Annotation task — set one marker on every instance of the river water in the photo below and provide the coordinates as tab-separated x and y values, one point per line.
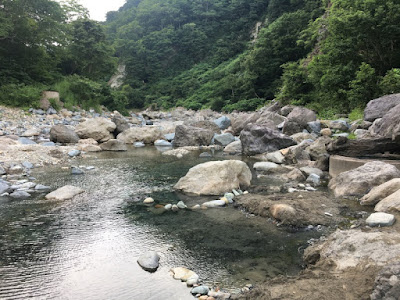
87	247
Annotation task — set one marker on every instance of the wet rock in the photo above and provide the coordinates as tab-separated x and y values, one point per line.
98	129
139	144
162	143
64	193
181	205
202	290
380	192
258	139
149	261
215	177
234	148
192	136
20	195
302	116
314	179
214	203
146	134
74	153
380	219
62	134
113	145
185	275
390	203
76	171
223	139
377	108
205	155
387	283
223	122
359	181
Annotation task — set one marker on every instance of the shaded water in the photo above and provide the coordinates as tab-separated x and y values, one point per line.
86	248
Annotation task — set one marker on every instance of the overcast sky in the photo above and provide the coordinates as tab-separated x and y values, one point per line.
99	8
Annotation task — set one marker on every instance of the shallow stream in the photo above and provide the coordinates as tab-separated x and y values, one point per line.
87	248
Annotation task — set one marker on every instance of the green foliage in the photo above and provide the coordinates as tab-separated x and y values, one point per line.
390	83
356	114
20	95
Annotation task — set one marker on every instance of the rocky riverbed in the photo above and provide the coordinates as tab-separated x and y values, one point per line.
285	180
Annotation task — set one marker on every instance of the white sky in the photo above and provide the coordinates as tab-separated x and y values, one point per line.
99	8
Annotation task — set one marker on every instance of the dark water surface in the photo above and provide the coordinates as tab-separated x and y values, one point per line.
86	248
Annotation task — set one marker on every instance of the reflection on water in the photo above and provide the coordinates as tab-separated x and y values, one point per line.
87	248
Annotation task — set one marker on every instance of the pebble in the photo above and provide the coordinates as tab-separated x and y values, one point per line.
74	153
148	200
229	196
168	207
76	171
181	205
138	144
202	290
214	203
20	195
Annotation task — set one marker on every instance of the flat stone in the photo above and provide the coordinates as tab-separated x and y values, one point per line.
41	187
214	203
74	153
64	193
76	171
26	141
265	166
20	195
149	261
162	143
202	290
380	219
139	144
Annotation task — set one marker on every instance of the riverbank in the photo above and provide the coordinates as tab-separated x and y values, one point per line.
286	175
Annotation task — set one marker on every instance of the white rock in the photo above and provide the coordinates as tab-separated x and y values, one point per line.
168	207
380	219
148	200
265	166
214	203
64	193
181	205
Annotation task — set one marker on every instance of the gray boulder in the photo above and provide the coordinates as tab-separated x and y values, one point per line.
62	134
223	122
359	181
291	127
379	107
257	139
302	116
98	129
387	283
389	125
113	145
270	119
26	141
242	120
192	136
223	139
121	123
149	261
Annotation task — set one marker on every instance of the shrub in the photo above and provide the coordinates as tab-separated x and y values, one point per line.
390	83
21	95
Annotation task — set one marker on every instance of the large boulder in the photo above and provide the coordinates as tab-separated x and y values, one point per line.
389	125
223	122
113	145
257	139
64	193
242	120
192	136
215	178
145	134
271	119
62	134
223	139
234	148
359	181
208	125
302	116
390	203
377	108
98	129
121	123
380	192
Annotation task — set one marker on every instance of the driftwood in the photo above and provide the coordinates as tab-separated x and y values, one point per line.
364	147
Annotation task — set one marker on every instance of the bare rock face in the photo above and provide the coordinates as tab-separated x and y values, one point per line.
257	139
302	116
62	134
271	119
377	108
380	192
146	134
98	129
215	178
192	136
64	193
121	123
359	181
389	125
113	145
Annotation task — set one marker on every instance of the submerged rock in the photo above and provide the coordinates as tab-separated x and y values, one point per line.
113	145
185	275
215	177
149	261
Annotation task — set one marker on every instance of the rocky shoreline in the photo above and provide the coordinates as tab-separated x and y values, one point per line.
290	147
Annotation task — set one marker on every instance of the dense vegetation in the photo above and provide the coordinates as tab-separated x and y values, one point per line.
333	56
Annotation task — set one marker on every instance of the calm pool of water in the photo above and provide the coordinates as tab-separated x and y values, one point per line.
87	248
